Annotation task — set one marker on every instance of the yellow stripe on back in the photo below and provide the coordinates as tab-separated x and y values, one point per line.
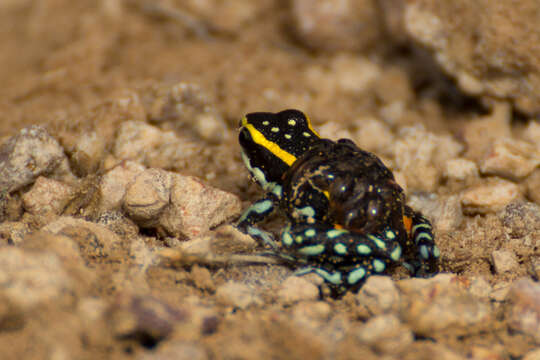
274	148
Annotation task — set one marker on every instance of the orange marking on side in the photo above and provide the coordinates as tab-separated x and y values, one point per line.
337	226
407	221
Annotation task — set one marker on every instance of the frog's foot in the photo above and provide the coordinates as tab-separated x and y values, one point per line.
339	280
262	236
258	211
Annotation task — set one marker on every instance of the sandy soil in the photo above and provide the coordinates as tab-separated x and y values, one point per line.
134	85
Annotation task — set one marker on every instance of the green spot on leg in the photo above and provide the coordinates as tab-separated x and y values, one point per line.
436	251
356	275
278	191
334	278
363	249
378	265
335	233
262	206
310	232
312	250
396	253
299	239
420	226
340	249
424	252
307	211
390	234
421	236
287	239
380	244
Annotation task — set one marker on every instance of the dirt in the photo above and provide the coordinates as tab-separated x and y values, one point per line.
181	75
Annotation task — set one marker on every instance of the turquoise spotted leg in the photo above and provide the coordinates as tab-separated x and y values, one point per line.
340	257
425	263
257	212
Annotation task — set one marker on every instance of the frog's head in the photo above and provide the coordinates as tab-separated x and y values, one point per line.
271	143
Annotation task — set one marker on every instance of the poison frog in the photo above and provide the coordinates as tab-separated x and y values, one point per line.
347	217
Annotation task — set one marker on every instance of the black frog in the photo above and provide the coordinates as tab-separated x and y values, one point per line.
347	214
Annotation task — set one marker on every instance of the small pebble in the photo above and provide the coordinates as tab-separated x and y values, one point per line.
147	196
532	355
237	295
202	278
444	212
503	261
114	183
533	186
479	287
460	169
196	207
386	334
510	158
524	309
491	196
296	288
440	304
30	278
418	151
336	25
47	196
27	155
379	295
521	218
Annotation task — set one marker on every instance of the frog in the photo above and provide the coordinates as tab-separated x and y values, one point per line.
347	217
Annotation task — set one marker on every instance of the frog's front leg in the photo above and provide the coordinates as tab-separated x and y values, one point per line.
339	256
427	254
257	212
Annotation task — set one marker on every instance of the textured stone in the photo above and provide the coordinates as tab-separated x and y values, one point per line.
524	308
503	261
385	334
28	279
196	207
47	196
511	159
460	169
24	157
379	295
418	151
114	184
488	55
237	295
441	304
147	196
296	288
491	196
336	25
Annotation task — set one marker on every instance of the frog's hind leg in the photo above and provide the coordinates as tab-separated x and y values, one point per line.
427	253
339	256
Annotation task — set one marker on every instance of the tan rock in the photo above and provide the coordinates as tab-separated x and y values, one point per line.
511	159
490	197
47	196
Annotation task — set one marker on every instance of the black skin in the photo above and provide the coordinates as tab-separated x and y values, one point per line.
345	188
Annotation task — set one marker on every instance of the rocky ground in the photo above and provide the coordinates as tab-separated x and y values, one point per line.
120	174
